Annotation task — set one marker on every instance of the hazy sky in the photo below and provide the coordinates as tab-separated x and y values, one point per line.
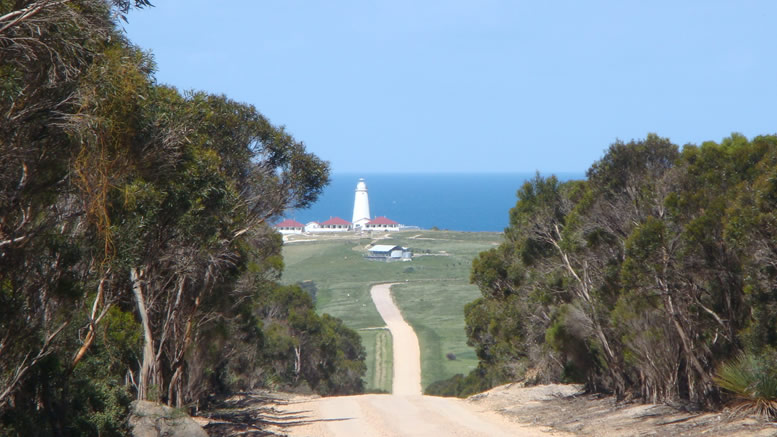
476	86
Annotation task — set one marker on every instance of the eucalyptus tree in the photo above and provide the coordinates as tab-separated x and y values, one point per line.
183	220
55	284
751	229
46	49
129	216
641	280
299	346
628	188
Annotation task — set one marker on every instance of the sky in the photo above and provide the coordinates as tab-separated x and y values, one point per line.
480	86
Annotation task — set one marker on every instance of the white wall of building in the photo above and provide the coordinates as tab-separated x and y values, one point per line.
323	229
381	227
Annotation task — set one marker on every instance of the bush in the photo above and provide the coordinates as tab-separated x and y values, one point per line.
310	287
478	380
752	379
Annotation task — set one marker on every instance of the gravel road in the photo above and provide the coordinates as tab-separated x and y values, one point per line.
407	353
405	412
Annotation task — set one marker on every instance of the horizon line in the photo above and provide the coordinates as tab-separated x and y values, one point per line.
450	172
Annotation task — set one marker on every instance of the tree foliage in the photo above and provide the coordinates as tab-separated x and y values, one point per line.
642	280
137	258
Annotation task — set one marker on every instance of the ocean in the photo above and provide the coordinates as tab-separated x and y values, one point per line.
458	202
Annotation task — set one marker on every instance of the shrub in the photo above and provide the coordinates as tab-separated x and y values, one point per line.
752	379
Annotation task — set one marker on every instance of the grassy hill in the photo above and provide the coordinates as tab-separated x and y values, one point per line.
433	291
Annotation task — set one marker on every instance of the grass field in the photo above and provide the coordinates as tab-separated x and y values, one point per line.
435	287
436	312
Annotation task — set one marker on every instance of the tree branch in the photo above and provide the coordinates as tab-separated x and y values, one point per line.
22	369
20	15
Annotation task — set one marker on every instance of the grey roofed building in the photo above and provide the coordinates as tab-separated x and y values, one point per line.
386	252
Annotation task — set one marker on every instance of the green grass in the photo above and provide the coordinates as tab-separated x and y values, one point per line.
439	272
436	312
377	343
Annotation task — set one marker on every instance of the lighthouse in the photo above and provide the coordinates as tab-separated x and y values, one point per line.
361	205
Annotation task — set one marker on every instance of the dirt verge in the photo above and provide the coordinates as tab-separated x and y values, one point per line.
564	409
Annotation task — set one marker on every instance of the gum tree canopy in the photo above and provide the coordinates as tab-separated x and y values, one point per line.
644	280
135	246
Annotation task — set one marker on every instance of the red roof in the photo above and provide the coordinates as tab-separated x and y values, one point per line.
382	221
289	223
336	221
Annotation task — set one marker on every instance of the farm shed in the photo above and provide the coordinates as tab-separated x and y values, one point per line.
385	252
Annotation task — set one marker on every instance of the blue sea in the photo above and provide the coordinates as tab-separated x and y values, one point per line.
458	202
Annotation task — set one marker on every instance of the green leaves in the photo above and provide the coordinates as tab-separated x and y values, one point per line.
753	380
641	279
301	346
104	172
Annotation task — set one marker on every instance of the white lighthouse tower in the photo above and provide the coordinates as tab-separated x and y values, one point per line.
361	205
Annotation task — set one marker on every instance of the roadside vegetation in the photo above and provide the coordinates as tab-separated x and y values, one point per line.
431	293
136	256
653	279
137	259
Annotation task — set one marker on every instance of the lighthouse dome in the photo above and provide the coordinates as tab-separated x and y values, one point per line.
361	186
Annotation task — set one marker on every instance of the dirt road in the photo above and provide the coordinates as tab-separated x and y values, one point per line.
395	416
405	412
508	410
407	353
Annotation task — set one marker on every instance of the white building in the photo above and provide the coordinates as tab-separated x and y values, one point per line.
290	226
335	224
361	205
381	224
312	227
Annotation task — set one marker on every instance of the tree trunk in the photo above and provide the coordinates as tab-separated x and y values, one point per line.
584	294
297	361
172	389
147	366
175	385
94	319
691	358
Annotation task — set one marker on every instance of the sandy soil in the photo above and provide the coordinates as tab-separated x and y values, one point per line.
565	409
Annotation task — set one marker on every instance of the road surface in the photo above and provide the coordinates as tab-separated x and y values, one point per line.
407	353
405	412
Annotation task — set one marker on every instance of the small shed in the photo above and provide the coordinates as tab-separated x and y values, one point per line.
386	252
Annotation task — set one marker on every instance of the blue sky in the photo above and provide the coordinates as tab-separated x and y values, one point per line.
475	86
